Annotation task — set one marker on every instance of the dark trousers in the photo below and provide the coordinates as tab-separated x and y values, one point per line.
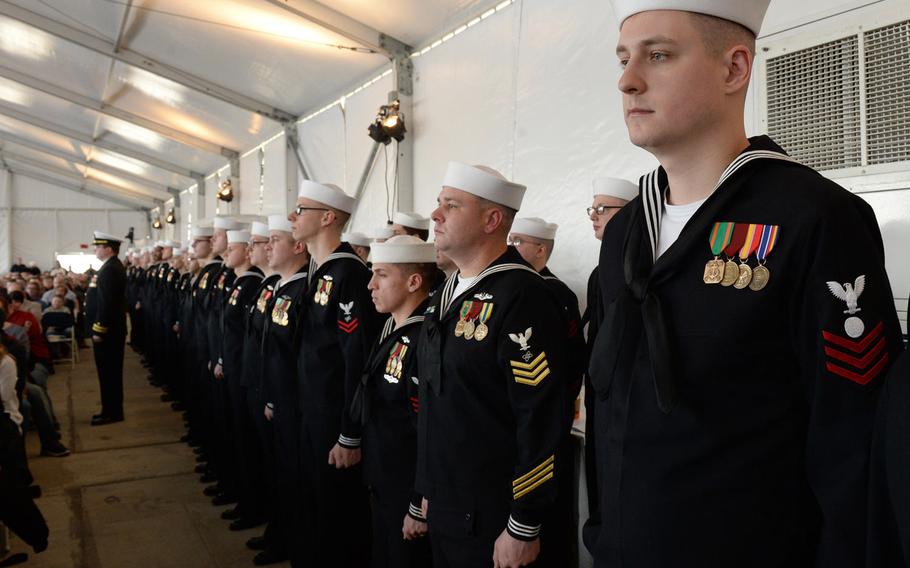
335	506
390	549
247	457
276	531
109	361
285	426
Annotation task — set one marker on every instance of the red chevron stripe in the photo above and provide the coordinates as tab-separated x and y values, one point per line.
855	361
856	377
415	404
348	327
855	346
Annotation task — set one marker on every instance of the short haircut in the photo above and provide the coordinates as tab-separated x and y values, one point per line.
17	296
422	234
508	214
720	34
426	270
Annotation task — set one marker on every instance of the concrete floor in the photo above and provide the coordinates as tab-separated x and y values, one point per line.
127	495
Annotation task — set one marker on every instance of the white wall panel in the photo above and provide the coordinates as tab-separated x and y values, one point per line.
248	193
322	143
74	228
209	199
119	223
34	236
275	180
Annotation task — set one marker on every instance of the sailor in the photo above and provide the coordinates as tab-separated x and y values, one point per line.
493	371
411	224
404	272
748	321
360	243
534	239
338	326
288	257
105	309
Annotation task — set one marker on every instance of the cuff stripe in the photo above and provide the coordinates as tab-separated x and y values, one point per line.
345	441
415	512
526	531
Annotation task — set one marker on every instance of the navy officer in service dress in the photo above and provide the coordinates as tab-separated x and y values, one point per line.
105	310
748	323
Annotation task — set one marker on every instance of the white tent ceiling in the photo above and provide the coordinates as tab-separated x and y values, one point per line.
132	97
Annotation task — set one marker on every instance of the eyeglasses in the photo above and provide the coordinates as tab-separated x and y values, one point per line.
601	209
518	241
300	209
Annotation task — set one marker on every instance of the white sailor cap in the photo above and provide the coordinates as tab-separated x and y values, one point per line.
203	232
380	233
259	229
227	224
615	187
280	223
535	227
327	194
170	244
403	249
747	13
105	238
235	237
356	239
484	182
412	220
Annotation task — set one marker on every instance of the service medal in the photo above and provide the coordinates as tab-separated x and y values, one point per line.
761	275
753	237
469	328
464	314
719	239
459	328
731	269
744	277
482	330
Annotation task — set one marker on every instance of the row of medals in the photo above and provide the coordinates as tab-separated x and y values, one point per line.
393	367
740	276
321	298
470	330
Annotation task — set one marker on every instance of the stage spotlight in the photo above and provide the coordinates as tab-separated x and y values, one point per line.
156	224
171	218
226	192
389	124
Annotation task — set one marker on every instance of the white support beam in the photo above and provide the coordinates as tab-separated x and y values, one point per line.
109	110
6	213
136	205
14	159
345	26
119	53
85	138
94	164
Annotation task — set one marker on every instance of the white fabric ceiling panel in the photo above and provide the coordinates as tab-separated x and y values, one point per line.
294	74
135	167
34	236
185	109
46	107
248	193
147	142
98	18
464	104
29	192
276	196
47	57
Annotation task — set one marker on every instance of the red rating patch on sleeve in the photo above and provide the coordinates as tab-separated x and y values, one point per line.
859	360
348	327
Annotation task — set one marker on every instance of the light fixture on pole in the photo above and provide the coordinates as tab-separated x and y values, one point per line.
171	217
226	191
156	224
389	124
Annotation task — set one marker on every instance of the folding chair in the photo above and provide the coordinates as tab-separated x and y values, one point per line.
60	328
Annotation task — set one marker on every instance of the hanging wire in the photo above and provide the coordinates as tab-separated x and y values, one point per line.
354	48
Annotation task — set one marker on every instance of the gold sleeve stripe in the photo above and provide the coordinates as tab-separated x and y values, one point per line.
533	487
524	484
531	365
99	328
532	373
534	382
531	473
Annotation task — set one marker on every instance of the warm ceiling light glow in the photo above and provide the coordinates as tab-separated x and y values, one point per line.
275	23
13	95
119	163
135	134
154	86
23	40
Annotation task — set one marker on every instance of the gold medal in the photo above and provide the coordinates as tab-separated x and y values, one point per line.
324	299
481	332
469	329
317	297
398	369
459	328
760	277
714	271
731	273
744	278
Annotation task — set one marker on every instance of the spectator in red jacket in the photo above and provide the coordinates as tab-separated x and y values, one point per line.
17	316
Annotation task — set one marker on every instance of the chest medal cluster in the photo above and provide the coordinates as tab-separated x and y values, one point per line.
323	289
472	322
741	240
